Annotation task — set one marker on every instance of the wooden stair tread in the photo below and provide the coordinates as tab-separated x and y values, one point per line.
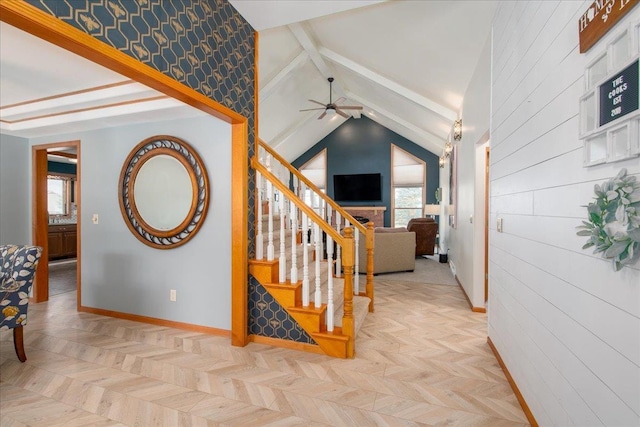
311	309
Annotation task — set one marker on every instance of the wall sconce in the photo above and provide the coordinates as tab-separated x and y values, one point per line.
448	148
441	161
457	130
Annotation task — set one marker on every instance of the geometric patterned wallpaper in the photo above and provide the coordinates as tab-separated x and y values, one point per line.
267	317
205	45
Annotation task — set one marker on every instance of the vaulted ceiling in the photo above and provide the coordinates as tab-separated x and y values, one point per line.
408	63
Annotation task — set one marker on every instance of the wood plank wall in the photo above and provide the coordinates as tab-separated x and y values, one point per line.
566	325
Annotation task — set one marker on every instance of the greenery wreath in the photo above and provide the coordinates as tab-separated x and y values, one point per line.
614	220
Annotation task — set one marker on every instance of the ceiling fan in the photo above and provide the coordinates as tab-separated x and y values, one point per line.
333	107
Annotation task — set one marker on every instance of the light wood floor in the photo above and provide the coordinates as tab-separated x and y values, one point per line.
422	359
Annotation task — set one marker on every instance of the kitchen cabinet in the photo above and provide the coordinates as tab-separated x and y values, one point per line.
63	240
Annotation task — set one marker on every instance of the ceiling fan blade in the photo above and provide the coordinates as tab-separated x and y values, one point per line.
324	113
339	100
318	102
350	107
312	109
345	115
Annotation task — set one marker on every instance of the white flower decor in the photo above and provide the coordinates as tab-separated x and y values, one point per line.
614	220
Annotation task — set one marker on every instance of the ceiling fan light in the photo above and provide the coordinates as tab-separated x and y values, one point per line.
331	111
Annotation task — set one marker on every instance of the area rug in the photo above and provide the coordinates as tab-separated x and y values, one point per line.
428	270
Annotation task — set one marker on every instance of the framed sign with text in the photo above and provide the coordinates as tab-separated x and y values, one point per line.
609	106
599	18
619	94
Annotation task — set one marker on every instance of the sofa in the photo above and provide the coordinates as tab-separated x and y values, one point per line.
426	230
394	251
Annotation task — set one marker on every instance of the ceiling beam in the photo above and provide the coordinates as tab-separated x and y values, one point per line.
422	101
435	144
308	44
270	87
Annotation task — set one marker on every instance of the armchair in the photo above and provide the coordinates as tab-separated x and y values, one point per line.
426	230
17	270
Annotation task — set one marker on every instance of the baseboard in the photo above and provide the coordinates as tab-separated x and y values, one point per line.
293	345
514	387
155	321
474	309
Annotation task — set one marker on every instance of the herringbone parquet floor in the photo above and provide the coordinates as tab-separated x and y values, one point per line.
422	359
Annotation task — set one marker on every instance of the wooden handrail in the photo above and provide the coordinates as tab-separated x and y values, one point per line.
312	186
326	227
366	230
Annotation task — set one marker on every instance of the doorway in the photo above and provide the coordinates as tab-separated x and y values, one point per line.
59	219
486	224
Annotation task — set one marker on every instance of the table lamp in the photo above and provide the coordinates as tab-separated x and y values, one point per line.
432	210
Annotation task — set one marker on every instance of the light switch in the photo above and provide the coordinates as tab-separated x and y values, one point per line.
499	225
95	218
471	219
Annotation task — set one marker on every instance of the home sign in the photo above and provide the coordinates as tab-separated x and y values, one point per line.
599	18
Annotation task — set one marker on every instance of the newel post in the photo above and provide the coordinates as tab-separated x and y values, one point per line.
369	245
348	260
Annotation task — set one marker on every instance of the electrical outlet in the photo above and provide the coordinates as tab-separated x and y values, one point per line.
172	295
499	225
95	218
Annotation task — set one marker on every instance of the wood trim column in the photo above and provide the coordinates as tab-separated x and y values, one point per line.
40	221
239	235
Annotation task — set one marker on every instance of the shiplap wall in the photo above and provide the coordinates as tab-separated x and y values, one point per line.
566	325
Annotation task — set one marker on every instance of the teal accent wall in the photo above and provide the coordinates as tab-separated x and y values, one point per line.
364	146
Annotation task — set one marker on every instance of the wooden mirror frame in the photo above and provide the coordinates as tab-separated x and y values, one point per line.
188	157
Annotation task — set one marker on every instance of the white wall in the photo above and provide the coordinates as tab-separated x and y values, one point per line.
122	274
15	191
566	325
466	244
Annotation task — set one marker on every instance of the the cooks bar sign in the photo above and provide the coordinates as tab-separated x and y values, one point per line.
619	94
599	18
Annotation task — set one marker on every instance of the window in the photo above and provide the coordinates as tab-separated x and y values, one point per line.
58	195
407	204
408	182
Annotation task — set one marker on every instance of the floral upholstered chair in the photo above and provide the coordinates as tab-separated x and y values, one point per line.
17	269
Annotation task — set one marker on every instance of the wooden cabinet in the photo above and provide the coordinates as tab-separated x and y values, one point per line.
63	240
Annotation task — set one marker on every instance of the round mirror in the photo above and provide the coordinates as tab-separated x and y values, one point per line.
163	192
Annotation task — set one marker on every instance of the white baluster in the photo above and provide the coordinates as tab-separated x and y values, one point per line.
339	251
283	257
270	249
259	237
305	262
317	239
356	268
330	307
294	246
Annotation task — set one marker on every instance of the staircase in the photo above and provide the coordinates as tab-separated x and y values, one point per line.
306	256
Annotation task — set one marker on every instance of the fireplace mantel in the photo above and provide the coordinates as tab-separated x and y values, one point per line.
374	213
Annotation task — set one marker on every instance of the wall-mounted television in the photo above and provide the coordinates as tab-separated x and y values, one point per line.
362	187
